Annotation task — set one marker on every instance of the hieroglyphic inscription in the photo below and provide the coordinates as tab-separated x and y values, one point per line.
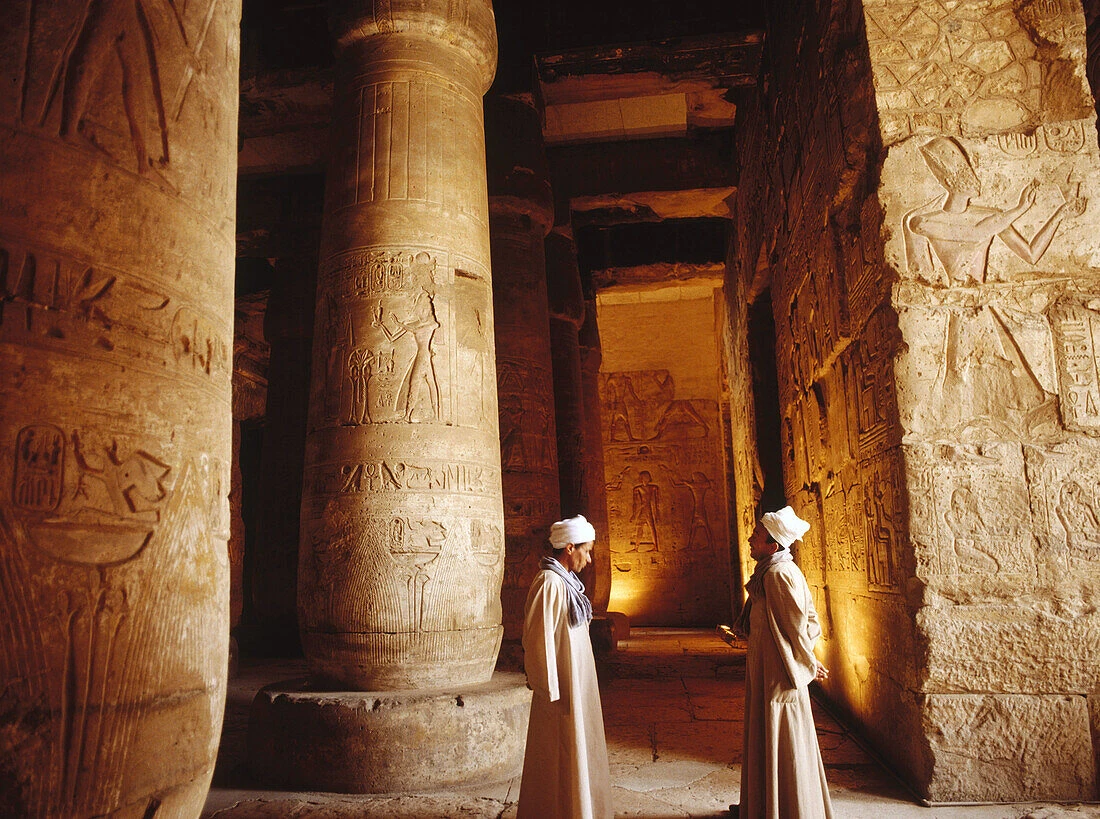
884	520
955	233
1077	351
526	417
197	343
103	502
414	546
980	508
48	299
698	486
665	502
873	377
1065	500
379	477
39	468
844	514
642	406
386	323
1059	137
115	79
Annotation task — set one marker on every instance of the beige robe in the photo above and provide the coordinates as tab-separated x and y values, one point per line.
565	769
782	775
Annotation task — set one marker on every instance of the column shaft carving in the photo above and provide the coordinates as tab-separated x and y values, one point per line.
117	172
402	551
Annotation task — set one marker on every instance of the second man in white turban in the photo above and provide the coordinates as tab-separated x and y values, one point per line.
565	768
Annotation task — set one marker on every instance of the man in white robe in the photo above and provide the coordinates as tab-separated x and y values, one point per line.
565	768
782	774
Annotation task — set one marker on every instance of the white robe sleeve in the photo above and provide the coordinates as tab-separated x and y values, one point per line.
789	617
546	615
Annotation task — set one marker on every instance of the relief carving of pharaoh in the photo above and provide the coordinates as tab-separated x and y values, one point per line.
957	233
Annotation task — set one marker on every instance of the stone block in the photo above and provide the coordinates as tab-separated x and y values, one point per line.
1014	647
1002	748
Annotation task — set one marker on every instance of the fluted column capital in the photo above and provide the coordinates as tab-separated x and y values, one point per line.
467	26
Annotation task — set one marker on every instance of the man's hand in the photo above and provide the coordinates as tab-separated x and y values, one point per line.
822	673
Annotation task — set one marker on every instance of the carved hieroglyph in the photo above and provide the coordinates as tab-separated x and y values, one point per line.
665	498
117	173
402	549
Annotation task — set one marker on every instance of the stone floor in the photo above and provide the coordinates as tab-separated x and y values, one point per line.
672	703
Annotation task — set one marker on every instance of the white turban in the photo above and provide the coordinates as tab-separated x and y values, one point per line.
571	530
785	526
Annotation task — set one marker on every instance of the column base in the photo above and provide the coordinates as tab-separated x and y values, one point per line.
388	741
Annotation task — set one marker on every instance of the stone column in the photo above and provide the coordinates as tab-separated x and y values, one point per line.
288	328
117	172
566	316
592	458
402	551
250	368
521	211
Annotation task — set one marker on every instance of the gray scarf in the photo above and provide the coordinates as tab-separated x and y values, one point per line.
580	607
755	586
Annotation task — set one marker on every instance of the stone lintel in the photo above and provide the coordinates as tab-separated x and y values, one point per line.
388	741
305	149
623	282
731	60
275	102
651	206
700	161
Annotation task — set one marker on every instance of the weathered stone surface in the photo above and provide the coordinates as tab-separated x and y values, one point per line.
987	190
960	70
1010	648
402	549
389	741
1009	748
117	170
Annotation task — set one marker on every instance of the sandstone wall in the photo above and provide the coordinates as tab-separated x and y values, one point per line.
932	253
989	185
808	238
663	456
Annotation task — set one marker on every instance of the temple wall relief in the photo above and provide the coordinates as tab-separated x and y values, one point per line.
989	190
664	467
